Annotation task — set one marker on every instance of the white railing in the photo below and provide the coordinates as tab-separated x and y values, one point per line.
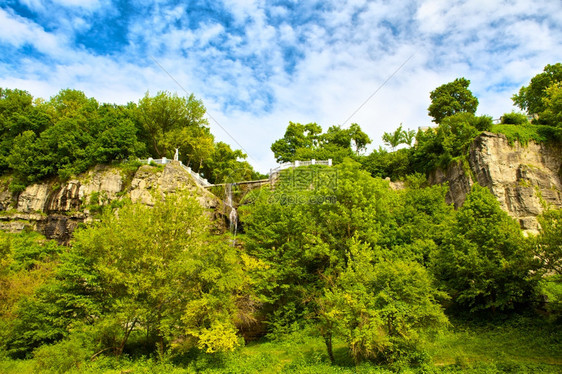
202	181
205	183
296	164
163	161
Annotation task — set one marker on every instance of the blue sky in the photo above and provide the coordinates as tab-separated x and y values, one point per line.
259	64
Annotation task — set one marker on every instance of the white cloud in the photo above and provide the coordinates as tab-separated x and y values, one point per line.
18	32
342	54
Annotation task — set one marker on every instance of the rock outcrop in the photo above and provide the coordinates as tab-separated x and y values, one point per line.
56	209
524	178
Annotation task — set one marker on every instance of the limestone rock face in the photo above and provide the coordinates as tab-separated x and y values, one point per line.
459	182
56	209
522	177
150	183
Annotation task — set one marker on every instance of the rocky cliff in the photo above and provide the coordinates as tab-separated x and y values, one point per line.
523	177
55	209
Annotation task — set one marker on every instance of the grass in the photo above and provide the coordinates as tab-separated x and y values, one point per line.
519	345
522	341
524	133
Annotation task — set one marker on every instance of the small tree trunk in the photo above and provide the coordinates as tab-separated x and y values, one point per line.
329	347
126	337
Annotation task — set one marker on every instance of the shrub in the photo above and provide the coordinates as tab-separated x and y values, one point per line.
62	356
514	119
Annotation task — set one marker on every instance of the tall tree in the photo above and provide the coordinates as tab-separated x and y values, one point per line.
531	98
380	308
450	98
165	114
548	244
359	138
552	114
297	136
483	261
151	271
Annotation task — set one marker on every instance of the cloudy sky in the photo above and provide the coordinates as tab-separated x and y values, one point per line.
258	64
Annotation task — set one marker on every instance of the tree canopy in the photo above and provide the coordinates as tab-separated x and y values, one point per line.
306	142
531	98
451	98
70	133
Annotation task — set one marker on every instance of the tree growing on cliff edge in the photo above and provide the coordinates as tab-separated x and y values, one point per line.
531	98
451	98
165	118
307	142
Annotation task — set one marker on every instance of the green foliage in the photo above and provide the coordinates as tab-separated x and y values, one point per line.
165	274
296	136
153	272
380	308
61	357
71	133
66	136
552	114
524	133
226	166
301	234
438	147
304	241
514	119
551	288
548	244
398	137
307	142
531	98
394	165
26	264
452	98
165	116
483	262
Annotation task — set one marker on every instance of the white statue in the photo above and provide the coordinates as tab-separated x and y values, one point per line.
177	155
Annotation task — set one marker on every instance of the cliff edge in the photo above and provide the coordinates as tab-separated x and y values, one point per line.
524	178
55	209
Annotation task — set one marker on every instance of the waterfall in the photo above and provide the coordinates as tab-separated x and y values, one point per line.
233	216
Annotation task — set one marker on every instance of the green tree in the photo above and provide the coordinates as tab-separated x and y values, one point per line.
451	98
514	119
359	138
27	263
165	273
398	137
307	142
552	114
531	98
18	114
154	272
302	231
166	114
226	165
483	261
548	244
381	308
384	164
296	136
438	147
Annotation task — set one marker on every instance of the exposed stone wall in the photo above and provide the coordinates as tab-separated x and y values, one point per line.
56	209
522	177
